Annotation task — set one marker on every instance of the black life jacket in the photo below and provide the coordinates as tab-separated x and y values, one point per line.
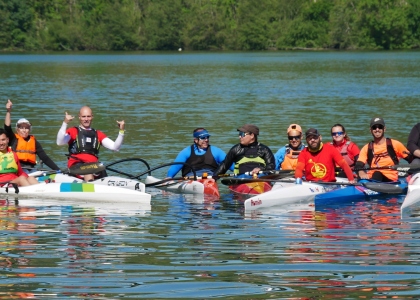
390	152
200	162
86	141
250	159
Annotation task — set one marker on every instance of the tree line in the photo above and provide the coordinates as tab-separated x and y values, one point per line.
77	25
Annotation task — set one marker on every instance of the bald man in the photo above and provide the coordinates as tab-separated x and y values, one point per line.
84	141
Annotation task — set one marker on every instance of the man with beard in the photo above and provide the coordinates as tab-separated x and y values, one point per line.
248	155
318	160
381	152
287	156
200	155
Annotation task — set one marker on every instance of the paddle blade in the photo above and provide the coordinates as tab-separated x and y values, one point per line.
383	188
174	180
88	168
410	169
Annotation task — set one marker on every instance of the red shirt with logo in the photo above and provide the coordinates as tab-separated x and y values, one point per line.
320	165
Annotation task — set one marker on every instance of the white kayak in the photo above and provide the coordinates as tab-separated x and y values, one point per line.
286	193
117	181
200	186
76	191
412	199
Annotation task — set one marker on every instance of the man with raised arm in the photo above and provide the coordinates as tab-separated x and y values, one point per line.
84	141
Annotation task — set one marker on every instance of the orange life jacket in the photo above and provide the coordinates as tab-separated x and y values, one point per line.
290	159
25	150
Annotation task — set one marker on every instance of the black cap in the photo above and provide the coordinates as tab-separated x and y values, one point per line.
377	121
311	132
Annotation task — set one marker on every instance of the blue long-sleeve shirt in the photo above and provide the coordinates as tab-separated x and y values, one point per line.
218	154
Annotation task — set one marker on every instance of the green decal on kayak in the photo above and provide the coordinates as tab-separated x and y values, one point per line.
77	187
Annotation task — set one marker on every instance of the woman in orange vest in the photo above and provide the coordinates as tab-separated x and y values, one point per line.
342	142
24	144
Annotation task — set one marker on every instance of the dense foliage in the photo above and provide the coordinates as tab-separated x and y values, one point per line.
208	24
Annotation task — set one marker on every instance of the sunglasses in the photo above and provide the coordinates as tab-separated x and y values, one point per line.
374	127
202	138
312	137
296	137
242	134
337	133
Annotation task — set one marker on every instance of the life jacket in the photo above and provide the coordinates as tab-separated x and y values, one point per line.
25	150
8	163
290	159
345	155
86	141
200	162
390	152
250	160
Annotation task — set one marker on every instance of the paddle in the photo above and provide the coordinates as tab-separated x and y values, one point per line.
410	169
271	174
386	188
176	179
79	169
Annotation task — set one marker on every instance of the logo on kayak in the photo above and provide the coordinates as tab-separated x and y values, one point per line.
256	202
117	183
318	170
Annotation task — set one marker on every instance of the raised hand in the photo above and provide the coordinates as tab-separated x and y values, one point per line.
9	105
121	124
68	118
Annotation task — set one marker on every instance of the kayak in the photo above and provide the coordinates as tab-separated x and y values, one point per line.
109	180
252	188
412	199
76	191
348	193
286	192
203	186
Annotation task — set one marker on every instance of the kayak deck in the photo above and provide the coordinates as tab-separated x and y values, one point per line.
205	186
348	193
76	191
109	181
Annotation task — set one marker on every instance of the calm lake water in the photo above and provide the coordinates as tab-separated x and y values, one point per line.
190	247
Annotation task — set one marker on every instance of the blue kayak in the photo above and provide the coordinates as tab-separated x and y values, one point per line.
354	193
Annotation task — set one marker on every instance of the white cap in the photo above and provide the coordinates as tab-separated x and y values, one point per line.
23	120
